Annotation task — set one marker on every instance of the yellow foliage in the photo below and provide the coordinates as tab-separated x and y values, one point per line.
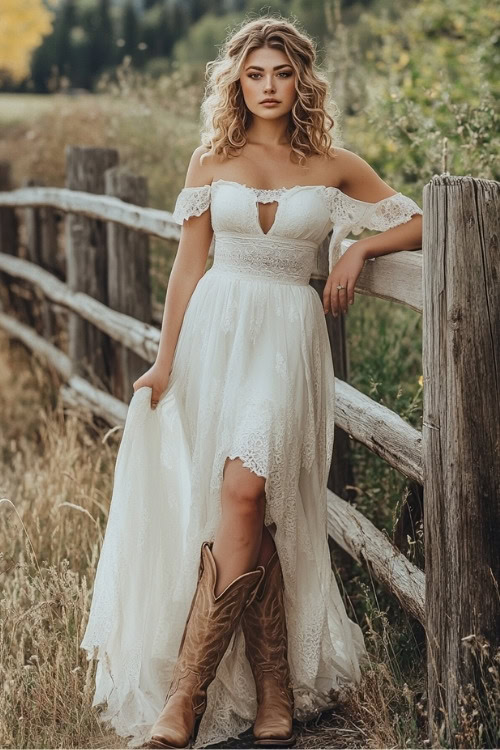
22	27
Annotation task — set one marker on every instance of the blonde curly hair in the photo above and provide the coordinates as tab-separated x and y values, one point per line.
225	117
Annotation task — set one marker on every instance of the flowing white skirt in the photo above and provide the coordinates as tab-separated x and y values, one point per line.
252	376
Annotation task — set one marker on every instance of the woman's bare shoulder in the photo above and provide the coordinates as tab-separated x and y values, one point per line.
202	166
329	169
342	160
347	170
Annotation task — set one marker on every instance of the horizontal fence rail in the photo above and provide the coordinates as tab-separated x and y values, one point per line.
77	389
382	430
362	540
396	276
347	526
142	338
151	221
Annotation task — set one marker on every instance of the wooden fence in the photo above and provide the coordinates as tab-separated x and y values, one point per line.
82	300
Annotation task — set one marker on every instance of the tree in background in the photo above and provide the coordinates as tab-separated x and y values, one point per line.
161	26
63	46
101	38
22	28
81	46
430	86
130	31
197	9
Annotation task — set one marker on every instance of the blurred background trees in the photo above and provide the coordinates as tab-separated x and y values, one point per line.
413	82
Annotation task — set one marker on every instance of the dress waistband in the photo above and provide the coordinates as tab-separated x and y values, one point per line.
266	239
280	259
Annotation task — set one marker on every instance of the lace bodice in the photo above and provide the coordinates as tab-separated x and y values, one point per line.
304	216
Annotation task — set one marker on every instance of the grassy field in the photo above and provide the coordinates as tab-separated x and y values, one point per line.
57	464
20	109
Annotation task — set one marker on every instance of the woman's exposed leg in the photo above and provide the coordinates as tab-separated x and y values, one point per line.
242	541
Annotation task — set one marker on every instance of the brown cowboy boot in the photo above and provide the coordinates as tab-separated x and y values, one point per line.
266	647
209	626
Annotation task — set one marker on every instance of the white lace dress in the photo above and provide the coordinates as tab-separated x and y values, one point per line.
252	376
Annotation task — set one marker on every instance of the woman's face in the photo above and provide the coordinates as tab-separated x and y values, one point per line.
267	74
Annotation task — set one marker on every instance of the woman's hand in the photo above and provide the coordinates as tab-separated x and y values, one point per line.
155	378
345	272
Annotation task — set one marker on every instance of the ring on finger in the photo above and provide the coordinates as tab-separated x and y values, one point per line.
343	288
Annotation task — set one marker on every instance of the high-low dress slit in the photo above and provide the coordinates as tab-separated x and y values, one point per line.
252	377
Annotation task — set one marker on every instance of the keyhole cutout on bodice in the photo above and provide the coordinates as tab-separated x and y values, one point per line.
265	213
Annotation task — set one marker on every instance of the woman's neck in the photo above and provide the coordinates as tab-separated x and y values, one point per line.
268	133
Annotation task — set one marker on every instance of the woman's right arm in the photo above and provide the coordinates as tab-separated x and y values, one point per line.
188	268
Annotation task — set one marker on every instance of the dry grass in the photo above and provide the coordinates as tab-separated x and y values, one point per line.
56	479
138	117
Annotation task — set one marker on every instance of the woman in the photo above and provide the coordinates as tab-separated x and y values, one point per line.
229	435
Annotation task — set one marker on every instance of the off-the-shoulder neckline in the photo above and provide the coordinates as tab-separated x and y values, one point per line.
295	187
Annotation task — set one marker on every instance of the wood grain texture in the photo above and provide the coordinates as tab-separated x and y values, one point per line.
140	337
129	284
107	208
86	254
396	277
9	244
366	544
461	434
76	391
340	476
382	430
42	248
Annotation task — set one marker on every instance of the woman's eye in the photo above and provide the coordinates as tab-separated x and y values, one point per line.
285	73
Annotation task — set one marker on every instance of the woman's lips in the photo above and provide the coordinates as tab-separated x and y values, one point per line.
269	104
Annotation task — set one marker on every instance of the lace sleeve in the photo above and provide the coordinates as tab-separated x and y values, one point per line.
191	201
389	212
352	215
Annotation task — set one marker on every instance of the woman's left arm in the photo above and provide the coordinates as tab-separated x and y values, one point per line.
406	236
361	182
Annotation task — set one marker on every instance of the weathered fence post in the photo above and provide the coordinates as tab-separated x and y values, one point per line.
129	285
461	437
42	249
9	229
341	466
89	348
8	219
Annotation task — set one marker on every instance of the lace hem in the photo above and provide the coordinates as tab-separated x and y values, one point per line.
191	201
